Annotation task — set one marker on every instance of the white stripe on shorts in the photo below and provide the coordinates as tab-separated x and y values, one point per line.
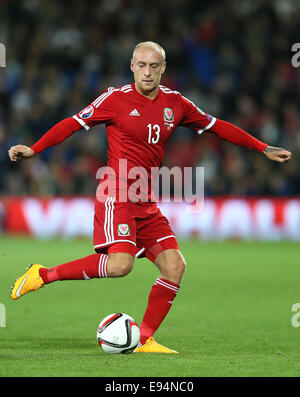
164	238
109	218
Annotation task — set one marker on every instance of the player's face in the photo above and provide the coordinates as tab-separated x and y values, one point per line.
147	66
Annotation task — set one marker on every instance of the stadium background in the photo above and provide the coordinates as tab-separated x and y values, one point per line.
233	59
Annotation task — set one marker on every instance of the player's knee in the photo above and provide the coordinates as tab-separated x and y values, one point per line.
120	265
124	268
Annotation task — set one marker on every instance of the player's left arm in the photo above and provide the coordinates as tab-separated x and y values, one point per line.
237	136
200	121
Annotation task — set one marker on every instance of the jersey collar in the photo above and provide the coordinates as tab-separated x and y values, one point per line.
143	96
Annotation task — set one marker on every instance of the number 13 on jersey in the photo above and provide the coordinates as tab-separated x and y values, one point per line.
153	133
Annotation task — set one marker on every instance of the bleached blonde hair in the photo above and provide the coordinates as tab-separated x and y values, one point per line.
152	45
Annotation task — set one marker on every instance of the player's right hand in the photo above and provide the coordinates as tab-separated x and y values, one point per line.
19	152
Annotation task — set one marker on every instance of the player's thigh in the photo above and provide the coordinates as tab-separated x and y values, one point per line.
157	241
154	235
171	264
114	235
113	223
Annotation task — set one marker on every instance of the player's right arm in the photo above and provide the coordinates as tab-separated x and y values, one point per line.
18	152
54	136
99	111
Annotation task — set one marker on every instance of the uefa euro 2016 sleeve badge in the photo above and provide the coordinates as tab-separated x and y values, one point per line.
87	112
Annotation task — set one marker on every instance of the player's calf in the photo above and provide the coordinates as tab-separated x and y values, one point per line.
171	264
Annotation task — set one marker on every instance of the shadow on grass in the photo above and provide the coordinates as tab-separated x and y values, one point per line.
51	344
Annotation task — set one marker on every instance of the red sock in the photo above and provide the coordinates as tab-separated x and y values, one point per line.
160	301
92	266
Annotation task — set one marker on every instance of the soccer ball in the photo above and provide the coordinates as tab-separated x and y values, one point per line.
118	333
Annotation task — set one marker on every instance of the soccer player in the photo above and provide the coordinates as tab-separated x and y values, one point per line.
139	118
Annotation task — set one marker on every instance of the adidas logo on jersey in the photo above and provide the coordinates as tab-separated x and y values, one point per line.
134	113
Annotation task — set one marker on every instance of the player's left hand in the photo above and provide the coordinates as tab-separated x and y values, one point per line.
277	154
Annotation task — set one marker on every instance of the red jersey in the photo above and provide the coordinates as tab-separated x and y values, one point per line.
138	129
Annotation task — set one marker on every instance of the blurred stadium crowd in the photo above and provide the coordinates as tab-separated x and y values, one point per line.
231	58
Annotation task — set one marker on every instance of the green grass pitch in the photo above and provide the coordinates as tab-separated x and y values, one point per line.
232	316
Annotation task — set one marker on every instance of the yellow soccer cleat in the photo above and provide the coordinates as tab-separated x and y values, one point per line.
150	346
30	281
